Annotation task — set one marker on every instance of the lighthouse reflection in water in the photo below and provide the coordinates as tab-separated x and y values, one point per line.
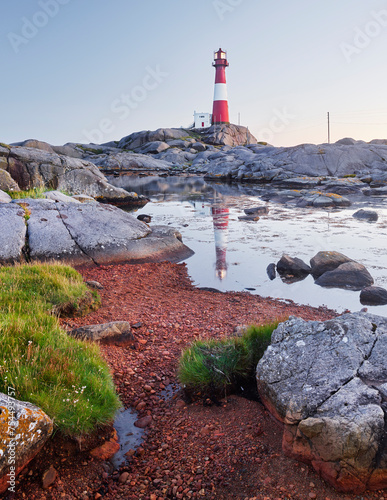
220	214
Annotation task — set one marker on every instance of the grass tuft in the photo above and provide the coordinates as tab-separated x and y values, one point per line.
37	192
215	367
65	377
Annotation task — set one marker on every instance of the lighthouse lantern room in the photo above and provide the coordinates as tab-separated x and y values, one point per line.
220	106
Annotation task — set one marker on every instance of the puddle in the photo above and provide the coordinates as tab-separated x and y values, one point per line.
170	392
130	437
232	255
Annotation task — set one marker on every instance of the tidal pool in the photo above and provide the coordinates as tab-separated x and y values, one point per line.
231	254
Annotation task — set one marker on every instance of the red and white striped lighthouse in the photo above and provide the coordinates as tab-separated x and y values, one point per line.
220	107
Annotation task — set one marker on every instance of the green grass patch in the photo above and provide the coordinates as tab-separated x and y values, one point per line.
65	377
215	367
96	151
37	192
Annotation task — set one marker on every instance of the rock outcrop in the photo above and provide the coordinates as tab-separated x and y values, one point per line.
24	429
320	176
327	382
79	233
267	163
33	168
228	135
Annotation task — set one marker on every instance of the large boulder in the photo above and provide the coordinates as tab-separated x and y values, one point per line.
327	382
6	182
12	233
351	275
368	215
373	296
24	429
31	168
327	261
292	266
85	233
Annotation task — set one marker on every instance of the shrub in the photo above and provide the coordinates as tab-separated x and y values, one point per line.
213	367
65	377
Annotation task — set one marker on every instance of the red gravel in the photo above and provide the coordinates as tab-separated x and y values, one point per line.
232	451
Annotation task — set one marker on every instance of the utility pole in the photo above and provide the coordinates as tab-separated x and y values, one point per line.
329	130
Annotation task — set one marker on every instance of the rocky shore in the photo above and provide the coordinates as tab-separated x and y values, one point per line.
305	175
189	451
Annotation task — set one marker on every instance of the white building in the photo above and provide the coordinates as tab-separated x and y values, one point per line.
202	120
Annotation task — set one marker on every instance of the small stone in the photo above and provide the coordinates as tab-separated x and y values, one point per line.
141	405
94	284
106	451
205	431
49	477
180	404
123	477
312	495
143	422
137	325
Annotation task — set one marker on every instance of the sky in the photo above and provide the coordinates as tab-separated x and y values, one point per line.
95	71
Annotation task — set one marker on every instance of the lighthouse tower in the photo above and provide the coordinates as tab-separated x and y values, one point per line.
220	107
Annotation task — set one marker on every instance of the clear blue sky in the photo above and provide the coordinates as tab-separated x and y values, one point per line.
77	70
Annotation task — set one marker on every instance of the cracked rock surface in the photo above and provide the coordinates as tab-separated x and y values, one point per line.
327	381
80	233
12	233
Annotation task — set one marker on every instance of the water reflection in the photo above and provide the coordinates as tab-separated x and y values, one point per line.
209	214
220	213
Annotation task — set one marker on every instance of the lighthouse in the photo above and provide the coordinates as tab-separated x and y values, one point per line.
220	107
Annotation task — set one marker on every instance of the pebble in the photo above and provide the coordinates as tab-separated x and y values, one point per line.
123	477
141	406
312	495
143	422
49	477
